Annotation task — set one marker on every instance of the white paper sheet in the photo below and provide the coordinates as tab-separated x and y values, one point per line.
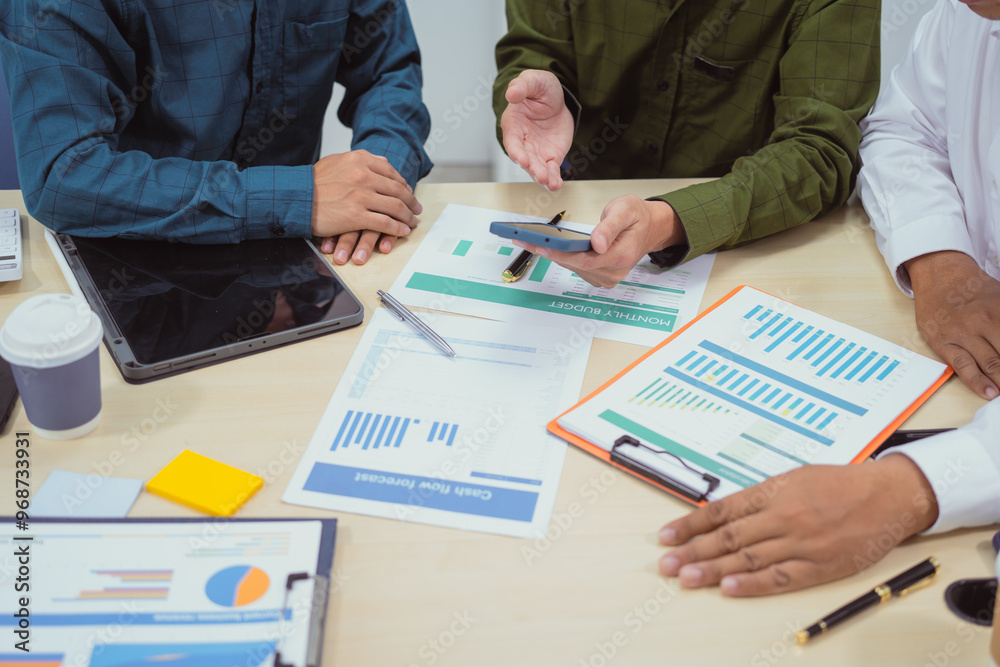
70	494
458	265
757	387
460	442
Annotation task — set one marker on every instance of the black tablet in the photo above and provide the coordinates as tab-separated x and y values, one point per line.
173	307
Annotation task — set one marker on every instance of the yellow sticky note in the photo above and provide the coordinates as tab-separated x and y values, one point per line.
204	484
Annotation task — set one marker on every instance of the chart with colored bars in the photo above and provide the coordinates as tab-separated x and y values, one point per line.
827	354
755	388
661	393
750	391
366	430
128	585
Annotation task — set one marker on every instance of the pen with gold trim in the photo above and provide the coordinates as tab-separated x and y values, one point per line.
918	575
517	268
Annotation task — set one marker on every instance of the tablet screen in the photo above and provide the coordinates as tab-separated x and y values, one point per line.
174	299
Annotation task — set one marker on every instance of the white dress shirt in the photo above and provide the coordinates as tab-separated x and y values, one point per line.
931	156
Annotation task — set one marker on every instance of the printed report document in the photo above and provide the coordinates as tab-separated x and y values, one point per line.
754	387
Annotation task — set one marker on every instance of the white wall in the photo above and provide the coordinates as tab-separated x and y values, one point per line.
456	41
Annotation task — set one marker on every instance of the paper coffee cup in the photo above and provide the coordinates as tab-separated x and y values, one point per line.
51	342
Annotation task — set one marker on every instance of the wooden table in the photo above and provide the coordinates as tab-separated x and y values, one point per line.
588	594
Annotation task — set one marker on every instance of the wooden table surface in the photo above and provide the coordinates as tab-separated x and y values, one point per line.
586	595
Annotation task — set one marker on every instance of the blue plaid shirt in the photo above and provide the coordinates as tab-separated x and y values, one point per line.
199	120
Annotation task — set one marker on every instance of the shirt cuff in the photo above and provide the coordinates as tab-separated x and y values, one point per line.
574	107
566	170
279	202
922	237
409	164
964	477
706	217
670	256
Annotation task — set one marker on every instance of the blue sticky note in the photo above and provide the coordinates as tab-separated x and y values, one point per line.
69	494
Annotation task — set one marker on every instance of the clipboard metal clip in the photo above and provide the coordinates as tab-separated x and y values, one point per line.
317	617
630	453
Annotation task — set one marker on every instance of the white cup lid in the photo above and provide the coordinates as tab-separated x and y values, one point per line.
50	330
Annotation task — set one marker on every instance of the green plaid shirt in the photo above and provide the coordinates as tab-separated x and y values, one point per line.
766	96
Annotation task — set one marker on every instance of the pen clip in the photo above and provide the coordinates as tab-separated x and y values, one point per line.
388	306
920	584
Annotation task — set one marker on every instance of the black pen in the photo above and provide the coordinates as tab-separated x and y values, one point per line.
902	437
898	585
518	267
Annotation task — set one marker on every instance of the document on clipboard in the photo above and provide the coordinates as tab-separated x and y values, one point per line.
752	388
179	592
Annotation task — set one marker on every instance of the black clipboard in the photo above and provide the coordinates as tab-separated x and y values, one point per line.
324	563
646	462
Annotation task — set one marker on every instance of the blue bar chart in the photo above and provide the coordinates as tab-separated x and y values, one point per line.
756	387
369	430
712	373
827	355
442	432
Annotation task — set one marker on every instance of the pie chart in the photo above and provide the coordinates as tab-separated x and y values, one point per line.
237	586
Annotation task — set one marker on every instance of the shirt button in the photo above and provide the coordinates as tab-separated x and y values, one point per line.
278	230
260	87
652	148
663	85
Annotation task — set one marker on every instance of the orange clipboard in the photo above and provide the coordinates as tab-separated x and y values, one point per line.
604	455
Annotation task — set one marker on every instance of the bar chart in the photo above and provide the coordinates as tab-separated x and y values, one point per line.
128	585
371	430
662	393
826	354
749	391
756	388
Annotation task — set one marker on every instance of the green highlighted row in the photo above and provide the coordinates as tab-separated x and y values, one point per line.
510	296
621	302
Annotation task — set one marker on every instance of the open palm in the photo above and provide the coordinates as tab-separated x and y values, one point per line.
537	126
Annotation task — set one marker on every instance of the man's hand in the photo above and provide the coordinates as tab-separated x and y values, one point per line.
806	527
958	313
358	197
630	228
537	126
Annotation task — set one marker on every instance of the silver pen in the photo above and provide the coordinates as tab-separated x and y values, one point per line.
403	313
